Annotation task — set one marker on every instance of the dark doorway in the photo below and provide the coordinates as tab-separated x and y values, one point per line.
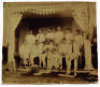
35	23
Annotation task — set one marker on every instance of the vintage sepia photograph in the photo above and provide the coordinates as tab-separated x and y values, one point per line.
49	43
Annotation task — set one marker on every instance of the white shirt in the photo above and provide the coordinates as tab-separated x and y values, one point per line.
30	39
79	40
40	37
65	48
76	49
24	51
49	50
69	37
59	35
35	51
50	35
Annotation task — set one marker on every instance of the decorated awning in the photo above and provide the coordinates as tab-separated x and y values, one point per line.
42	10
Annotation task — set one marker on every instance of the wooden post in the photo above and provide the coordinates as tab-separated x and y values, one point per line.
11	50
88	55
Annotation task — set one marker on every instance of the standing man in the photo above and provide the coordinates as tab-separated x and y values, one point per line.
59	35
35	52
78	42
40	37
65	50
68	35
69	41
24	52
30	39
53	33
50	35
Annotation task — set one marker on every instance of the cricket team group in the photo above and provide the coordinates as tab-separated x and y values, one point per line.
54	45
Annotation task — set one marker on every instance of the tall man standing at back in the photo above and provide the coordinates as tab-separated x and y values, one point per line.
40	37
50	35
69	55
59	35
24	52
30	39
78	42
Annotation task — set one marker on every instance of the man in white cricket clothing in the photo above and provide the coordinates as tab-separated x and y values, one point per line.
59	35
30	39
40	37
52	56
44	54
50	35
24	52
65	50
77	44
69	41
35	52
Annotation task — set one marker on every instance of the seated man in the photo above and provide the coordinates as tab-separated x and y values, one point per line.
36	51
44	54
52	56
50	52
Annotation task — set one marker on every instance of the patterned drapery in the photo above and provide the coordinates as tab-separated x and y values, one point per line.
13	23
80	16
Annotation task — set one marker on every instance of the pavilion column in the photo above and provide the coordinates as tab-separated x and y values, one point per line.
88	54
87	40
81	17
11	50
14	20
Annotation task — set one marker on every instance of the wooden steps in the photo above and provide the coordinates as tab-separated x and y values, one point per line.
41	71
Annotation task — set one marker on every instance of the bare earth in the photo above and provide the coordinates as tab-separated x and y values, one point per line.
52	78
